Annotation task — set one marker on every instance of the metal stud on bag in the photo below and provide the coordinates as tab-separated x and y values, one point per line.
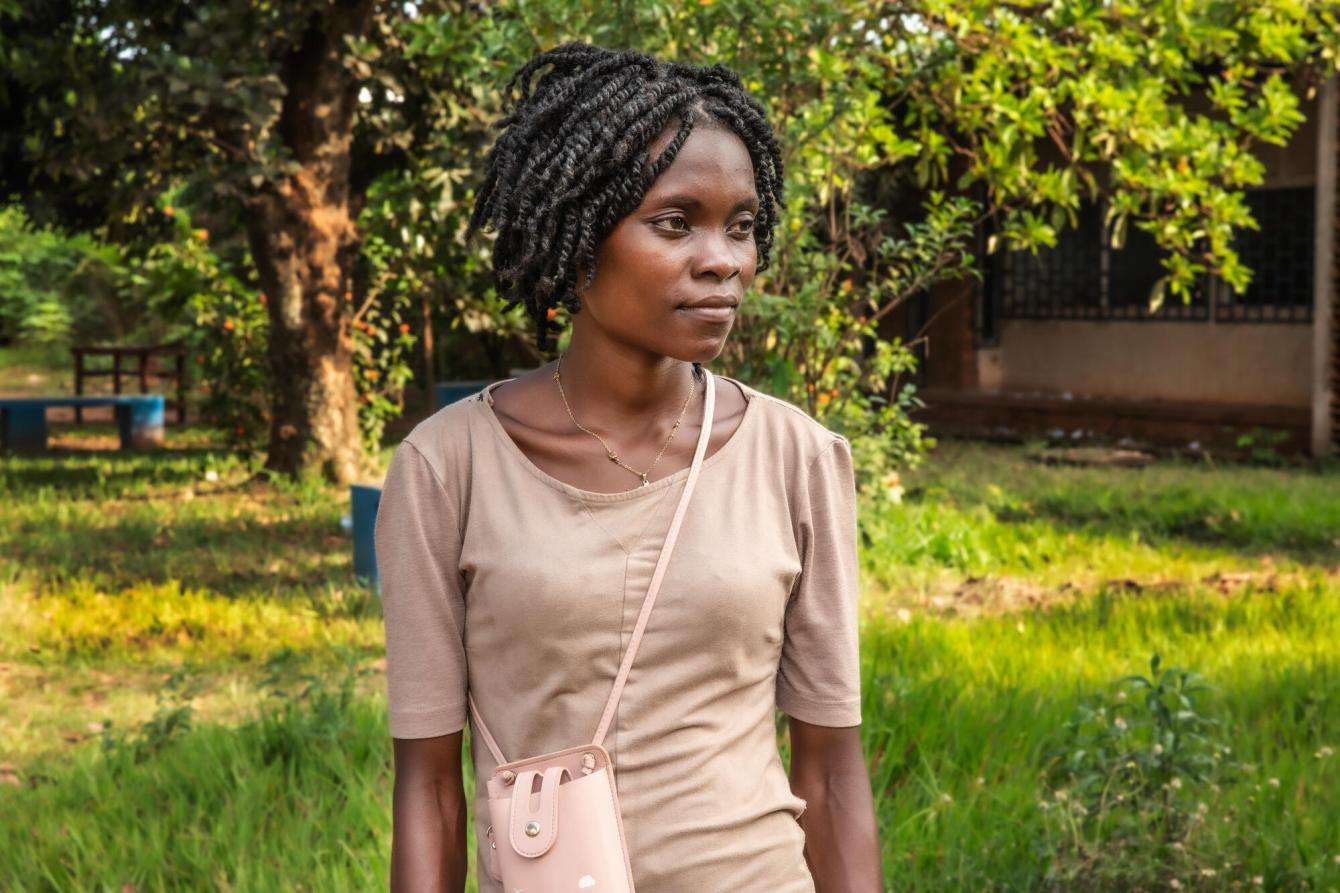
532	829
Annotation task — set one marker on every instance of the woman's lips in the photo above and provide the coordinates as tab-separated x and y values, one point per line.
710	314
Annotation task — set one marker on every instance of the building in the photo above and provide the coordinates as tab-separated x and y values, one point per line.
1063	341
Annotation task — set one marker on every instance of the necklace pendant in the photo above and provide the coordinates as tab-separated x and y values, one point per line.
645	482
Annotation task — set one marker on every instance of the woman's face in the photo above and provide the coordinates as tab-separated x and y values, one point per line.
691	240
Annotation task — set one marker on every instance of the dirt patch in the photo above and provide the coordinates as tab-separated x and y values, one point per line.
1094	456
993	595
989	595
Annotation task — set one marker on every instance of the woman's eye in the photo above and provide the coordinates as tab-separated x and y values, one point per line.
665	221
746	227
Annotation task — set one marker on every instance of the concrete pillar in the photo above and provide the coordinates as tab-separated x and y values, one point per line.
1325	362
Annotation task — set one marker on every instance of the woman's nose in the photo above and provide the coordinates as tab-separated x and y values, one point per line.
719	256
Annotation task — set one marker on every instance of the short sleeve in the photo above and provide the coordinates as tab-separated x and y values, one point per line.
819	675
418	545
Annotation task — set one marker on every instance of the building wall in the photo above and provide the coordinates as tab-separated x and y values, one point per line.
1265	364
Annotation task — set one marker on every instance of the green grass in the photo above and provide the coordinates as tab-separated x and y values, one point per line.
964	714
165	608
982	524
294	799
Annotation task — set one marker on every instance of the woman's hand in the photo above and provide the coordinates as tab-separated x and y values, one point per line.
428	814
828	771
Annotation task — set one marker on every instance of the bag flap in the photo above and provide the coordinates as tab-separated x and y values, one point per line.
533	831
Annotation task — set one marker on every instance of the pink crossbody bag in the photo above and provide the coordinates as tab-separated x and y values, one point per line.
555	820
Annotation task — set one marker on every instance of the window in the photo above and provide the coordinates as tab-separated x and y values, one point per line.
1061	282
1083	277
1280	256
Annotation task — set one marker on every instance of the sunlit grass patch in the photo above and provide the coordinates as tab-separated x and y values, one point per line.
977	514
151	622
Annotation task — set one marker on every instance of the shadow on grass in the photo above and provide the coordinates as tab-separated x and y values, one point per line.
1251	511
227	553
1305	535
94	474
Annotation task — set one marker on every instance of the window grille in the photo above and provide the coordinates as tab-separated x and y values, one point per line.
1083	277
1280	256
1061	282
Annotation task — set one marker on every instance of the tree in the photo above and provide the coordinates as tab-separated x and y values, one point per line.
271	103
1155	104
905	124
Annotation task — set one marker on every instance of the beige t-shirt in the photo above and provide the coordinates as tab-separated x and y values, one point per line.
488	562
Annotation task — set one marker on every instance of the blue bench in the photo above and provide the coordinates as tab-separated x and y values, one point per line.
365	498
23	420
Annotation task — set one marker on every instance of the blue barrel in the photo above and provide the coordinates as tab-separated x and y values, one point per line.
23	426
445	392
364	500
139	421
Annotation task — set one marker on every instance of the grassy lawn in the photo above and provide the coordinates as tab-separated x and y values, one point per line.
191	691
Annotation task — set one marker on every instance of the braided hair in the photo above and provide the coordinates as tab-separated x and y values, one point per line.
571	162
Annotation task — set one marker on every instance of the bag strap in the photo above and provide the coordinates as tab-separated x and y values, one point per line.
709	407
670	537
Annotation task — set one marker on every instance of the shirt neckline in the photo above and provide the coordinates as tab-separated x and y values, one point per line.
485	400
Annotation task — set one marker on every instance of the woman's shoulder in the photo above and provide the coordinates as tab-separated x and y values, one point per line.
790	426
443	438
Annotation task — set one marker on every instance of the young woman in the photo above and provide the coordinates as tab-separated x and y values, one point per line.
519	528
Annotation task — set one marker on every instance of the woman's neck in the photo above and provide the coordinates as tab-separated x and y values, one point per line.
610	387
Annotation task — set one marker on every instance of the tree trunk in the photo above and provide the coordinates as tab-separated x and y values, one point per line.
429	367
304	243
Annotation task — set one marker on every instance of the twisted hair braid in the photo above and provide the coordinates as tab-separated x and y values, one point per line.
572	161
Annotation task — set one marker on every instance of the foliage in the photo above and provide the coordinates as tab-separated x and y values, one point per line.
218	317
1156	104
446	69
1038	104
172	718
411	274
1131	784
905	126
56	288
1261	445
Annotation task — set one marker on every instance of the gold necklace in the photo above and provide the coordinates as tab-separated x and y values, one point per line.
614	457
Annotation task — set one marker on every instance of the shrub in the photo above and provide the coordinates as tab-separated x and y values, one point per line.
1132	789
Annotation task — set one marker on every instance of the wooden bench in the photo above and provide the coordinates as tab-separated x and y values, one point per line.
152	362
23	420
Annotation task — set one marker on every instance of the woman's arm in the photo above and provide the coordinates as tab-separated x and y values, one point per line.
428	816
828	771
